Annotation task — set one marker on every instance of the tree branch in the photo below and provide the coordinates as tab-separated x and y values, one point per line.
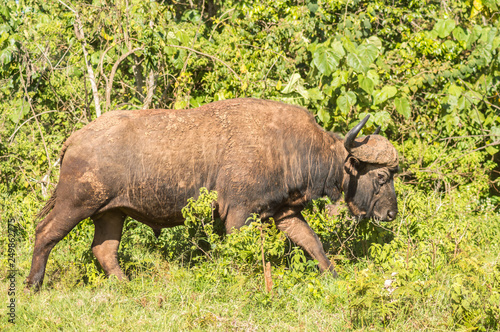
80	35
109	84
151	87
209	56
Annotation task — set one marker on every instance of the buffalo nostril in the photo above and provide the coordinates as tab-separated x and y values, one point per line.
392	215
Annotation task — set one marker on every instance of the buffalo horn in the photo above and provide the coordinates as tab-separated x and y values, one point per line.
373	149
351	135
377	131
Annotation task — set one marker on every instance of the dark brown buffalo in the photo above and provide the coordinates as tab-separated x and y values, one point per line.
260	156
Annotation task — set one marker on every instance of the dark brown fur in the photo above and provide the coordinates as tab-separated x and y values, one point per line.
260	156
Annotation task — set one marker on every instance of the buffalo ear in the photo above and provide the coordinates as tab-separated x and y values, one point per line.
351	166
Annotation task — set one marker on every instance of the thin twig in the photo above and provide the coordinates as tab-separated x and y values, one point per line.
109	85
209	56
215	27
468	136
469	152
22	124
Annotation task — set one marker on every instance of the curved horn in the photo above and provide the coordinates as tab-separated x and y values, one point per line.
374	149
351	135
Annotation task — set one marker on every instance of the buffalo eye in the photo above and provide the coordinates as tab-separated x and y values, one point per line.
382	178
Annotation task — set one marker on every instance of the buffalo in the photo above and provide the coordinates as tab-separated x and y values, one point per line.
261	157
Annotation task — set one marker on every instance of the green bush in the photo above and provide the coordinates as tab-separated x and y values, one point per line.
427	72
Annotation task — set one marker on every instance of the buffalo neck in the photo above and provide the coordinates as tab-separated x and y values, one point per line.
336	157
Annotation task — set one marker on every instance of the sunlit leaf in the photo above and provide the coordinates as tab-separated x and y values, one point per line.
444	27
403	106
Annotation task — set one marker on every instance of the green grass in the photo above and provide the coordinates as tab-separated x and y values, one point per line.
164	296
172	298
435	268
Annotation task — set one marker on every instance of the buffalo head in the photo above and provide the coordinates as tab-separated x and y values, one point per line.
369	168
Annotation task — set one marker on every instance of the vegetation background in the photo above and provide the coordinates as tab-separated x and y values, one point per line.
428	73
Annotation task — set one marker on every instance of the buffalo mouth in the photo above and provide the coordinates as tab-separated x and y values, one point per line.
390	215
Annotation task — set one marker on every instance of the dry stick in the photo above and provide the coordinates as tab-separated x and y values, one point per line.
101	62
469	152
469	136
265	78
45	55
80	35
109	84
266	267
22	124
206	254
208	56
151	87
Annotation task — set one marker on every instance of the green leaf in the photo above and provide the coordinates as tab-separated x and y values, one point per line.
403	106
368	53
491	4
382	118
372	74
451	121
302	91
339	78
346	101
463	103
366	84
313	7
21	110
362	58
348	45
292	82
375	41
452	101
444	27
325	60
180	104
315	94
473	96
491	150
459	34
5	56
324	115
338	49
474	35
356	62
379	96
477	116
455	90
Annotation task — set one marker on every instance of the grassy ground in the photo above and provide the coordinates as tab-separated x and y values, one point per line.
435	268
172	298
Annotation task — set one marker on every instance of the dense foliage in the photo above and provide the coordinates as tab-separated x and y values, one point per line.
427	71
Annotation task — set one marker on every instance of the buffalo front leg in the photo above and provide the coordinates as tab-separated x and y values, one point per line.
297	230
108	233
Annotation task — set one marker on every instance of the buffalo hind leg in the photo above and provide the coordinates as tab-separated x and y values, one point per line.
52	229
297	230
108	233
